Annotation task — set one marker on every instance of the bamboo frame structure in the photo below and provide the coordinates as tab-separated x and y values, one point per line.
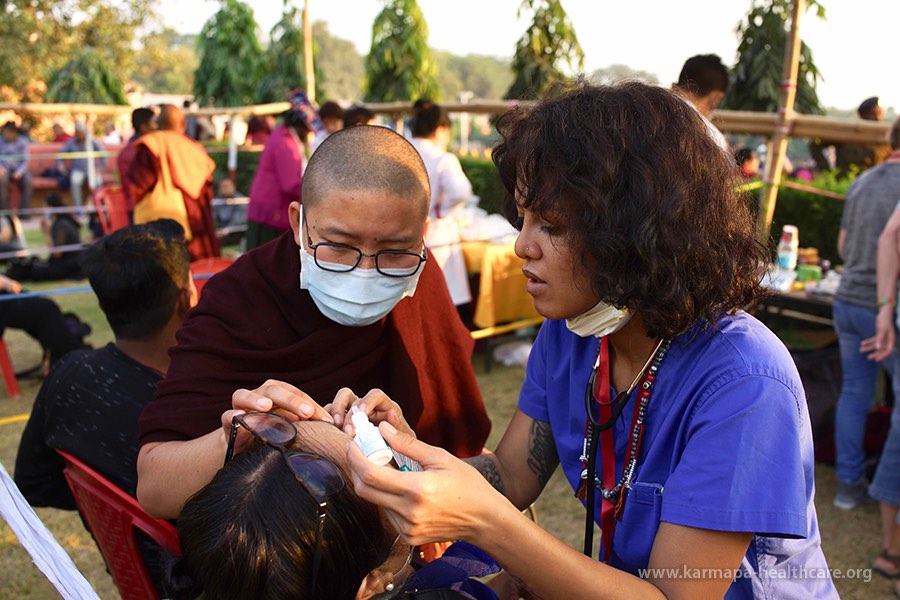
778	145
729	121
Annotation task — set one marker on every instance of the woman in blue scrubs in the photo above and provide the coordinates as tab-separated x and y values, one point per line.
679	418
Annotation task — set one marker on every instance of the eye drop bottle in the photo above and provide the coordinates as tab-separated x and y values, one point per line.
369	439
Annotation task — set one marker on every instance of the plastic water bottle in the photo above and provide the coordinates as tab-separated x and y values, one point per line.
788	247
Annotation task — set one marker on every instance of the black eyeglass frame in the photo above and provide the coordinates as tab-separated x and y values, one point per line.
360	255
322	501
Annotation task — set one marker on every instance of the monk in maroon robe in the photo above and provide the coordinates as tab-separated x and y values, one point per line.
366	195
168	157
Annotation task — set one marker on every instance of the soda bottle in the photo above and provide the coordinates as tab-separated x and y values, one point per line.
788	247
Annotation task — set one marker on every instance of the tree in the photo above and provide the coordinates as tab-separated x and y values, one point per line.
341	65
86	78
283	60
166	62
400	66
615	73
487	77
39	36
230	57
756	78
548	43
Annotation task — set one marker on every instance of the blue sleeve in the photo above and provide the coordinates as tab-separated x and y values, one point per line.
533	396
742	467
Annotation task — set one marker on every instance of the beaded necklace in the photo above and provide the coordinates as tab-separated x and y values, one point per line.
613	498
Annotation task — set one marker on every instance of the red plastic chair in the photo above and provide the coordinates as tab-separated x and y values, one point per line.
207	267
113	517
112	208
9	374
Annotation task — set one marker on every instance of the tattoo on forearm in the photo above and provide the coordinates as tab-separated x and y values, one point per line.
542	456
486	465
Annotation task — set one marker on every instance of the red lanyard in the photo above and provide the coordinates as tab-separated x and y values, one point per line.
611	511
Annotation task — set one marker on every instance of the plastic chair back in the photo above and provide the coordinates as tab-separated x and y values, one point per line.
205	268
9	375
112	208
113	518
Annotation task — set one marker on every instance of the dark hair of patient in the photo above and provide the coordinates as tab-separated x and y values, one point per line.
427	117
251	533
137	273
640	189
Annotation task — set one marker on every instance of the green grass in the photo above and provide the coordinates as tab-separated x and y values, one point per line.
851	539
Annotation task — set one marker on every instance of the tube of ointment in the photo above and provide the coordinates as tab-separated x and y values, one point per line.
369	439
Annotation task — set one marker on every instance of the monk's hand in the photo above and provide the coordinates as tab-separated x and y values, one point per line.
449	500
376	404
273	396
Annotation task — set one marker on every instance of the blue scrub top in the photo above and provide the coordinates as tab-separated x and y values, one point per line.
727	446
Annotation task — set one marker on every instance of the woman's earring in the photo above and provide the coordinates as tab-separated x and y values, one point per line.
389	587
527	248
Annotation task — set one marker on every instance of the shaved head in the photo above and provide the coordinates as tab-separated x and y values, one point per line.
367	158
171	118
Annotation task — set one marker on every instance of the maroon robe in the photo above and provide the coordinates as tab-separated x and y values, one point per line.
254	323
140	179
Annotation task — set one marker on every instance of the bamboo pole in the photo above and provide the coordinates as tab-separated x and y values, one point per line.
775	163
308	66
832	129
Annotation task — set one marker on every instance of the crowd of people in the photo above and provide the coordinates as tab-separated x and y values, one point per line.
678	419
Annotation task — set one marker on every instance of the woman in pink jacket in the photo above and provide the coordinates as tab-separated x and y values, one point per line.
280	173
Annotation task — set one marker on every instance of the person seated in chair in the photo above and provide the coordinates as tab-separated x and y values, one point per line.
257	530
90	403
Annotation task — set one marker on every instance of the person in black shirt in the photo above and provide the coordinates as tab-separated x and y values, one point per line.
90	403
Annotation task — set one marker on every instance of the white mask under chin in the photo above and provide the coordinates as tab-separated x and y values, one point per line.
601	320
356	298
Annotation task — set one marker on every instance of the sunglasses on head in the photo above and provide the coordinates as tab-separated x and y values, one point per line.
320	477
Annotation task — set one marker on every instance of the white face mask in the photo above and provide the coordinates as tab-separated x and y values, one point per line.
356	298
602	320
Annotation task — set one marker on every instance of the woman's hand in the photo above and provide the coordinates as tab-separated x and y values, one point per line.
880	346
376	404
450	500
272	396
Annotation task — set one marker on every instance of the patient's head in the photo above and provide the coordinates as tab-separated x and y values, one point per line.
251	533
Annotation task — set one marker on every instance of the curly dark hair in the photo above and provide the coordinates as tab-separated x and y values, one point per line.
643	192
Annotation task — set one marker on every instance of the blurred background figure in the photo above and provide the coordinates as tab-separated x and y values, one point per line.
332	116
111	135
14	165
143	122
229	217
57	333
258	130
450	190
280	173
748	162
703	82
358	115
59	134
171	178
77	167
852	158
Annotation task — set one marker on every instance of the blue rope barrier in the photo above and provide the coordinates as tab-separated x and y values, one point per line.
69	291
